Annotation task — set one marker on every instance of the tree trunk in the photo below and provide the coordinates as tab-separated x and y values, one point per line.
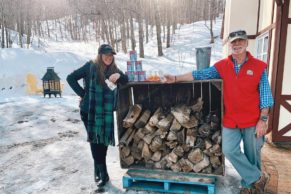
2	25
158	29
123	36
140	34
147	30
133	44
2	33
168	35
48	29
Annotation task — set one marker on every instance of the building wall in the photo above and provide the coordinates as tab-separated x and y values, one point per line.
272	44
265	14
240	14
286	87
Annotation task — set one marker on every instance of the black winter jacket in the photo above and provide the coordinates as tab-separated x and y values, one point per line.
84	73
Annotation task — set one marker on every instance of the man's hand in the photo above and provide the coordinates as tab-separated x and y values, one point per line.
261	128
169	79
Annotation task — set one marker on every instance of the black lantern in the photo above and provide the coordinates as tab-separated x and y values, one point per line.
51	83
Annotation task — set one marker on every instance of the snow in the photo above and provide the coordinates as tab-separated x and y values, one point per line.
43	142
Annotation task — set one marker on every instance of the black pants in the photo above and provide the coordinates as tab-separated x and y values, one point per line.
98	151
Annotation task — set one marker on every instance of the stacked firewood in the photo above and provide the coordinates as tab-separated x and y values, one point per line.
180	139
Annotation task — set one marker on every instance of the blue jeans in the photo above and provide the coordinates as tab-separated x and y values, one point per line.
248	162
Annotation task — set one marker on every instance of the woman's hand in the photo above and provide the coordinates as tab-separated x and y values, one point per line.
114	77
80	102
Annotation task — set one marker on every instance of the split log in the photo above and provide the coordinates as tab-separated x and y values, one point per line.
176	126
165	123
141	122
163	134
157	156
207	170
132	115
215	149
196	155
156	144
215	161
172	136
199	143
179	151
204	130
191	137
128	160
186	147
199	116
176	167
181	113
216	137
146	153
162	164
139	135
173	157
125	136
149	129
214	126
124	151
171	144
136	153
156	117
193	122
214	118
129	139
186	165
181	136
198	106
208	144
202	164
148	138
140	145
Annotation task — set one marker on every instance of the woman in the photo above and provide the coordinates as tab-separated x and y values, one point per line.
97	105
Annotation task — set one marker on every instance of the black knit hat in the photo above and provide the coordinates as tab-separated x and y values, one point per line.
106	49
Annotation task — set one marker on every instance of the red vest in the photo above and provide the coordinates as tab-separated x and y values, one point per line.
241	92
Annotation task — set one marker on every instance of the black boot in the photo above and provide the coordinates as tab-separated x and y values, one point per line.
96	173
104	175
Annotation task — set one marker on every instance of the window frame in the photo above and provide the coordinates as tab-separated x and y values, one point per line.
264	47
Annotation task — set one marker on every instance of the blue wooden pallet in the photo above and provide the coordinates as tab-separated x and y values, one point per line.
168	181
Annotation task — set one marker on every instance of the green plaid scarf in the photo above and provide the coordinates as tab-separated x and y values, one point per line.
100	117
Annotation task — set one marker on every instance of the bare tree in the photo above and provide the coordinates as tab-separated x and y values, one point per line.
110	21
158	30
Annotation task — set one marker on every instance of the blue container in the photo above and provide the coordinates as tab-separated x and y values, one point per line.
141	76
138	66
203	55
132	55
130	75
130	65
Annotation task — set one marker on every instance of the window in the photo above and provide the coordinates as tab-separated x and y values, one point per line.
262	44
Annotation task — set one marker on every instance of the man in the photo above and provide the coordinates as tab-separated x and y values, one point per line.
247	100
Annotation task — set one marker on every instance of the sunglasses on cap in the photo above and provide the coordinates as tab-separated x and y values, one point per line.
237	33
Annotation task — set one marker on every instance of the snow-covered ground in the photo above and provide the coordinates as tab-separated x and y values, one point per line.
43	142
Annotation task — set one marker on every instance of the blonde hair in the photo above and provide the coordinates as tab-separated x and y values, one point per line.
100	69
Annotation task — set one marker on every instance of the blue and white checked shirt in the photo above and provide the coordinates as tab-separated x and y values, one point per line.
266	98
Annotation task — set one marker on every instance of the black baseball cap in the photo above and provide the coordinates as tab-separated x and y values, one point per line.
106	49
